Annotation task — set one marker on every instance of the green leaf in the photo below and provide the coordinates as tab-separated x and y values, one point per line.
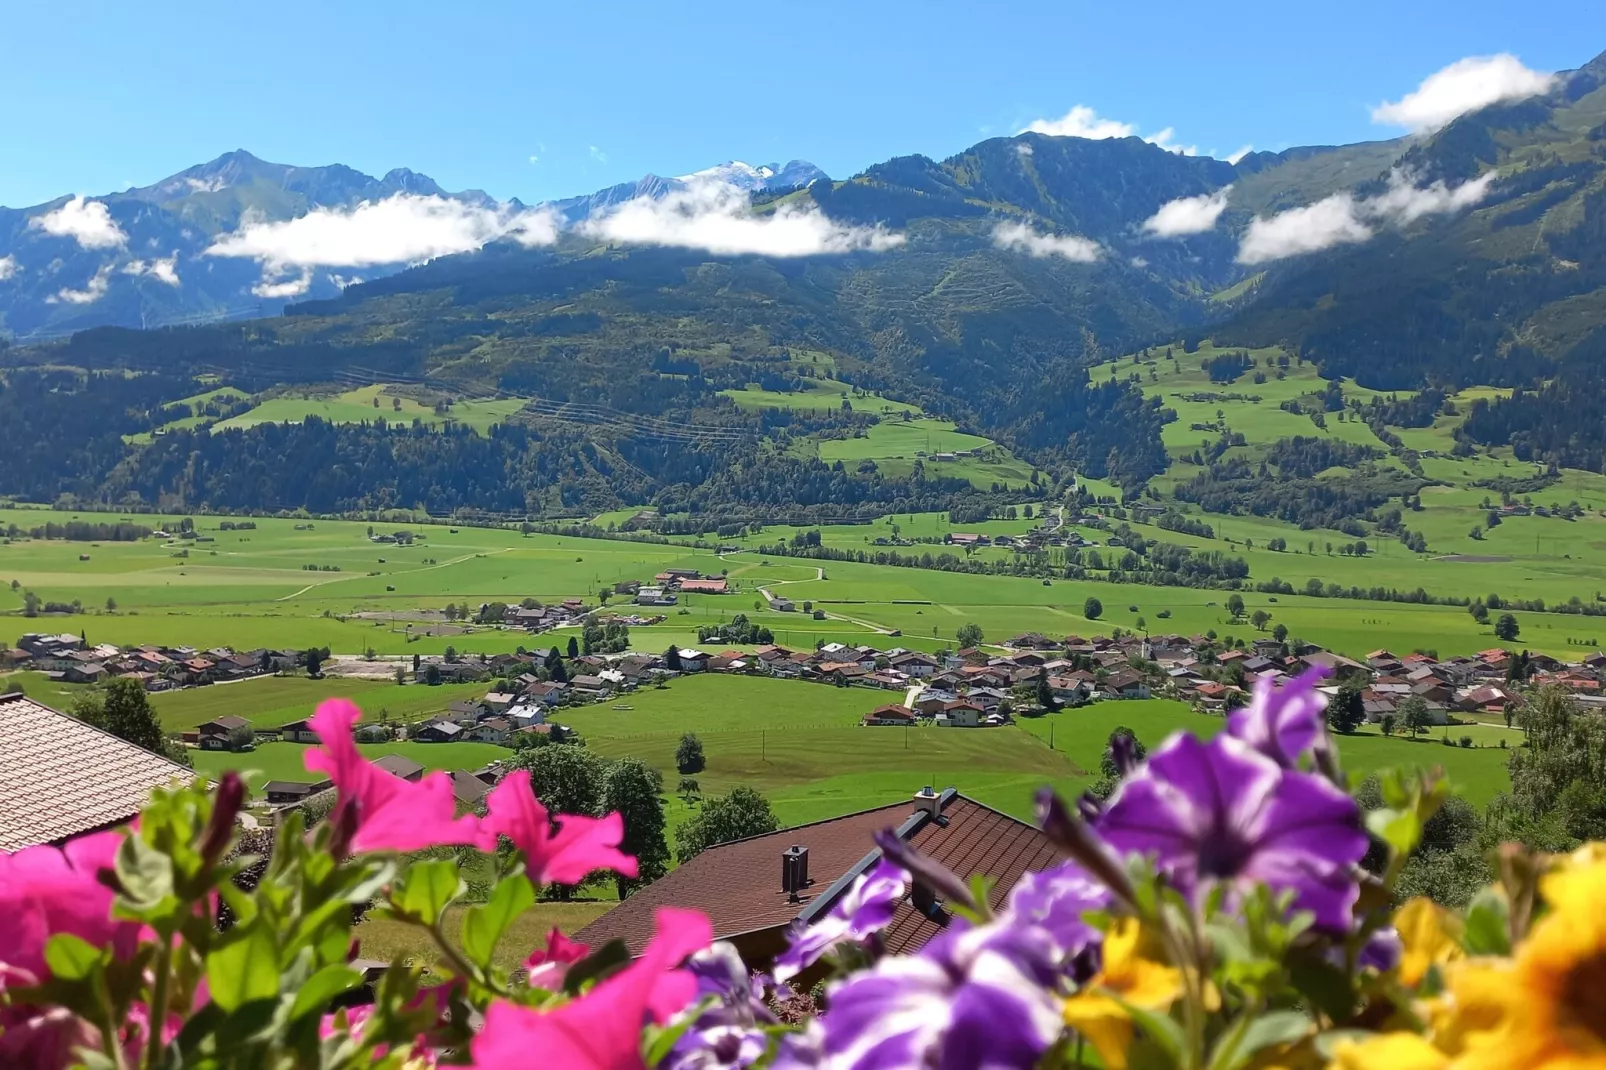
1160	1028
244	969
323	987
607	959
145	873
1488	925
429	889
1248	1036
1400	829
72	958
484	926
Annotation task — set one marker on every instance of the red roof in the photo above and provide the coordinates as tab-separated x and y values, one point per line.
738	885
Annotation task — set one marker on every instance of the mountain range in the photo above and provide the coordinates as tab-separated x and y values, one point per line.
146	257
980	287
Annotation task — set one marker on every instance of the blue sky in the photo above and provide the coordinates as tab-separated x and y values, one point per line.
539	100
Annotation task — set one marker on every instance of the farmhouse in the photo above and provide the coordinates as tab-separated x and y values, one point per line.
399	765
437	732
890	714
221	733
754	889
285	792
708	586
298	732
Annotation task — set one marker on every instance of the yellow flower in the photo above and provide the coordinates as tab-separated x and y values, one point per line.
1135	972
1388	1051
1428	936
1545	1010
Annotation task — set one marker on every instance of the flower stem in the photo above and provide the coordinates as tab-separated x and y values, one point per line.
156	1015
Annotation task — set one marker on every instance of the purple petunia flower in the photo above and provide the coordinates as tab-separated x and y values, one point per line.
1283	723
1222	812
974	997
864	910
1055	901
727	1030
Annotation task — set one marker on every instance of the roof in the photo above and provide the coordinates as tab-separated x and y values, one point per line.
398	764
468	788
59	777
738	885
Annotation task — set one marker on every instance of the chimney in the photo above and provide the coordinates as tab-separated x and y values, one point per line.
794	870
928	801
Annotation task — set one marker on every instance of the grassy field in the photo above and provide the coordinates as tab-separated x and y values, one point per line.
251	589
284	761
387	940
896	445
370	403
271	701
821	396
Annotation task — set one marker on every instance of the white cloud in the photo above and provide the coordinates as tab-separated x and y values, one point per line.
1465	85
1022	238
8	267
1344	220
294	287
1188	215
1405	202
1139	262
162	270
716	216
89	223
1024	148
402	229
93	291
1240	154
597	154
1083	121
534	158
1165	139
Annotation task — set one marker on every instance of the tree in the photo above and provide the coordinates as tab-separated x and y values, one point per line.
1260	619
968	635
1235	605
574	648
742	813
1415	715
314	662
688	788
1387	723
567	780
1346	712
689	755
1280	633
672	658
30	604
432	674
450	653
1092	609
111	605
1506	628
632	788
125	711
401	676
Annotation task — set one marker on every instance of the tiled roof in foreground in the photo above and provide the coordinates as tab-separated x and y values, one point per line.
738	885
60	777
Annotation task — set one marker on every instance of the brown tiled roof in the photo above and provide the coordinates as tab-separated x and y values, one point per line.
59	777
738	885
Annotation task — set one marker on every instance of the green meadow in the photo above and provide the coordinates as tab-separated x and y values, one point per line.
370	403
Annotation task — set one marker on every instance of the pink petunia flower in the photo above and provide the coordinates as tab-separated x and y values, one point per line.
47	890
581	846
548	965
391	814
602	1029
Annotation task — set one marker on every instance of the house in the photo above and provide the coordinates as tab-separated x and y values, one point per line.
959	714
782	605
987	698
60	777
693	660
708	586
90	673
493	730
438	732
737	886
524	716
219	734
930	701
654	596
892	713
298	732
915	664
286	792
842	672
1071	690
398	765
1126	684
469	789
